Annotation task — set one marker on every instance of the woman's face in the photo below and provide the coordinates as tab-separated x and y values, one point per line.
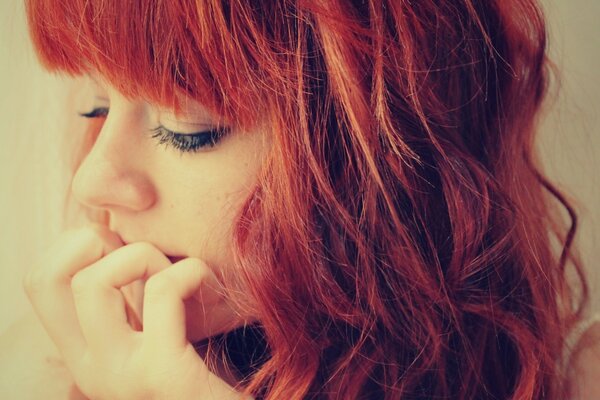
182	202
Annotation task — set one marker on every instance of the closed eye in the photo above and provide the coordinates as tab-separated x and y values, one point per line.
98	112
184	142
189	142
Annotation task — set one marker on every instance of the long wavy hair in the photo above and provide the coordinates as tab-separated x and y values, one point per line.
402	241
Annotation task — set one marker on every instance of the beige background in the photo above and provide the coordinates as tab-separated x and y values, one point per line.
31	119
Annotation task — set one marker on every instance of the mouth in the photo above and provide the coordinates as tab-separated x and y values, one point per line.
175	259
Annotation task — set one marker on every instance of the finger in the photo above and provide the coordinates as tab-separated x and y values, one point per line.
48	285
164	295
98	299
206	321
206	316
134	295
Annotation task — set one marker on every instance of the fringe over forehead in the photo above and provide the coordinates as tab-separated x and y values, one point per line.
213	51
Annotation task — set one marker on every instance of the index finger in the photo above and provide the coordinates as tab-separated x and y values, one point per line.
48	285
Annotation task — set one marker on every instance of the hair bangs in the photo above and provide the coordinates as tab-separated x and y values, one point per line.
160	51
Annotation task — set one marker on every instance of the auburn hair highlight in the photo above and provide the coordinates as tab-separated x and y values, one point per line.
401	241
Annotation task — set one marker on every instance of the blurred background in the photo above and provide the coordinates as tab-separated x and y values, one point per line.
32	117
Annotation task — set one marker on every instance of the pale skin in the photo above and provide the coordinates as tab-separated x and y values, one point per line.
585	372
171	216
78	343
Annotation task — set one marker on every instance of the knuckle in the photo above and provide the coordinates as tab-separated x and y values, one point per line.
101	233
53	273
34	281
197	266
196	263
88	234
94	236
141	248
81	283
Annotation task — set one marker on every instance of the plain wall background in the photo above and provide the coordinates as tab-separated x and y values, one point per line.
32	116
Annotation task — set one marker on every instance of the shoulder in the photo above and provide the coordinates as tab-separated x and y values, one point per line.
30	365
584	371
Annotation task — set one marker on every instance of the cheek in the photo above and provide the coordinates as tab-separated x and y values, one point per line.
212	220
223	181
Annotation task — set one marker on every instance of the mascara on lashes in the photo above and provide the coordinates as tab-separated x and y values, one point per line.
184	142
189	142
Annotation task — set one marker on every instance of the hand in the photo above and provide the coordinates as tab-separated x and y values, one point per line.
76	294
31	366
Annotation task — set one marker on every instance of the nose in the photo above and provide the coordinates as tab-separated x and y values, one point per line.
110	177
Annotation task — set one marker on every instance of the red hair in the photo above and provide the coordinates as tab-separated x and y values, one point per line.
401	240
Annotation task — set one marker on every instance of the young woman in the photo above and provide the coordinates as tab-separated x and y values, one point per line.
309	200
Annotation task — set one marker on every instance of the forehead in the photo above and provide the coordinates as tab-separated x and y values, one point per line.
185	108
168	52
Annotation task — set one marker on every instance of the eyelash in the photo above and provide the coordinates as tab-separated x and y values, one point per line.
189	143
99	112
184	142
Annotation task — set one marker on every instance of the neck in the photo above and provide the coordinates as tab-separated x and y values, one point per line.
218	365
